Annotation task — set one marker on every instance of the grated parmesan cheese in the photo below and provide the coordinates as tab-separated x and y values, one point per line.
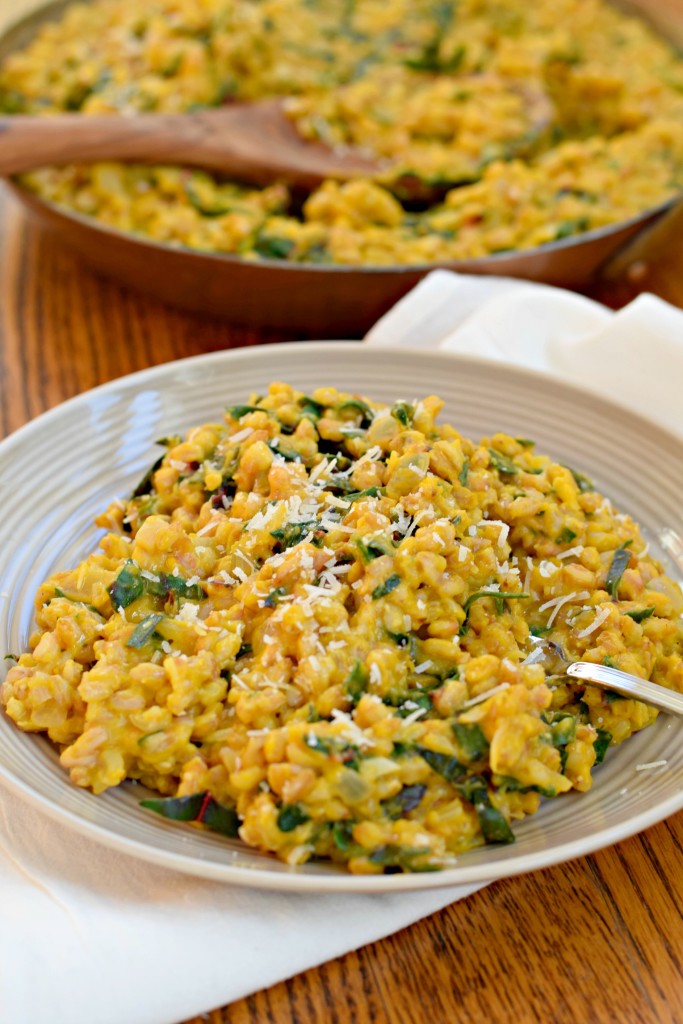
557	602
650	764
600	617
485	696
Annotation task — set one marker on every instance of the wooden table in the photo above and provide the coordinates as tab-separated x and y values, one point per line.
599	939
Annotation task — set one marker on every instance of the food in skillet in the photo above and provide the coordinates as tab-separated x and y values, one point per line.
441	91
313	626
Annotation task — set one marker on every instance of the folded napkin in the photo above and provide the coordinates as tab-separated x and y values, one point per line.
88	936
634	357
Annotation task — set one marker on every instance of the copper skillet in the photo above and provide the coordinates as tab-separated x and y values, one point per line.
313	301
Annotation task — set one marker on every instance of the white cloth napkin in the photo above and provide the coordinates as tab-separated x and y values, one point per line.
88	936
634	356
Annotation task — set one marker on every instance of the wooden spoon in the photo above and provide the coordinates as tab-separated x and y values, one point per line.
250	142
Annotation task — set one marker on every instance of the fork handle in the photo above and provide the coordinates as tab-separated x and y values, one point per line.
628	686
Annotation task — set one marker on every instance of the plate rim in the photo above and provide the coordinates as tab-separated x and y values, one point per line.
295	880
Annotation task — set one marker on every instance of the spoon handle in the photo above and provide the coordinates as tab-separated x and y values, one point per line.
628	686
253	142
27	142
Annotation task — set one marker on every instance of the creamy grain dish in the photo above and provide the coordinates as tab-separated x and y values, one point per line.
522	123
316	624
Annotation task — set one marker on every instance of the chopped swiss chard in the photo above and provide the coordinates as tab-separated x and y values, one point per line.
127	587
238	411
471	741
291	534
356	683
274	597
562	727
464	474
284	453
583	482
404	802
290	817
317	744
369	492
273	248
310	408
403	412
566	536
357	405
493	824
145	485
499	596
144	631
443	764
502	463
200	807
386	588
600	744
618	566
374	547
416	702
641	614
342	835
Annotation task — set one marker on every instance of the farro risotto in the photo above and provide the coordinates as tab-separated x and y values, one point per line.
444	94
314	625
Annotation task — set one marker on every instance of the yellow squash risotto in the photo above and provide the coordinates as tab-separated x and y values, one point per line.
550	117
316	625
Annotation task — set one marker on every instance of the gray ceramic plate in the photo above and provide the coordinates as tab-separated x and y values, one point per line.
64	467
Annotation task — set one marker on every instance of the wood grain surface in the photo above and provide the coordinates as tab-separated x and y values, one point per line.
597	940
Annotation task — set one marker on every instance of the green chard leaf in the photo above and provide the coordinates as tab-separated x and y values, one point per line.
464	474
270	247
499	596
200	807
238	411
292	534
369	492
583	482
407	800
285	453
502	464
566	536
471	741
618	566
600	745
145	485
356	683
127	587
492	822
342	836
169	585
358	406
395	858
403	412
274	597
290	817
144	631
310	408
374	547
449	767
641	614
385	588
